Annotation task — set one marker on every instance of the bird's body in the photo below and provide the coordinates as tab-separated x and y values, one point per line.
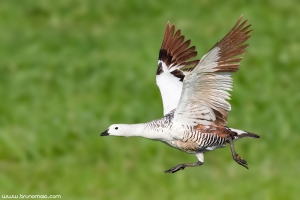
189	139
194	139
193	94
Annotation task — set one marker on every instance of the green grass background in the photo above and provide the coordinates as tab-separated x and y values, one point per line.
69	69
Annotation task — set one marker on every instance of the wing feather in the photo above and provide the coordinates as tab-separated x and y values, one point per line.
174	55
204	93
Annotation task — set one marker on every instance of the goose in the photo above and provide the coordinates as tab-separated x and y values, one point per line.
194	95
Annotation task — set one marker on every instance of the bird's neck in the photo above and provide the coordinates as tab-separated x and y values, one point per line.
130	130
146	130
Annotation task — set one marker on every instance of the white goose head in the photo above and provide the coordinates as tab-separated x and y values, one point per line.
126	130
116	130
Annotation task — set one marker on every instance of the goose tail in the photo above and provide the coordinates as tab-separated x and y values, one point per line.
240	134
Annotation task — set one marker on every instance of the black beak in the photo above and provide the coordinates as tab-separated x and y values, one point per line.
105	133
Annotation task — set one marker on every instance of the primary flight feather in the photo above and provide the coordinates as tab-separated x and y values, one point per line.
194	95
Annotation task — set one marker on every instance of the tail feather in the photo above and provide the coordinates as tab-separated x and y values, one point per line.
240	134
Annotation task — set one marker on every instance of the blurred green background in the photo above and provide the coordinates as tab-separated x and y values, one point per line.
69	69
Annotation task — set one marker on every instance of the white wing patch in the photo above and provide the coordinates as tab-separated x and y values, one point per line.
170	88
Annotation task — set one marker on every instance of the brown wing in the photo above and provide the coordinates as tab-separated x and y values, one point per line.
175	52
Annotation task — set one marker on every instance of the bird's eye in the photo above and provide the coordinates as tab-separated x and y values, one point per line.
116	128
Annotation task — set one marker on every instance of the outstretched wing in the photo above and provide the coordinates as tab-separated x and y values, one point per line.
173	65
204	94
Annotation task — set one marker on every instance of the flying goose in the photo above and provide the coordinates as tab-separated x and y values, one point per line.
194	96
